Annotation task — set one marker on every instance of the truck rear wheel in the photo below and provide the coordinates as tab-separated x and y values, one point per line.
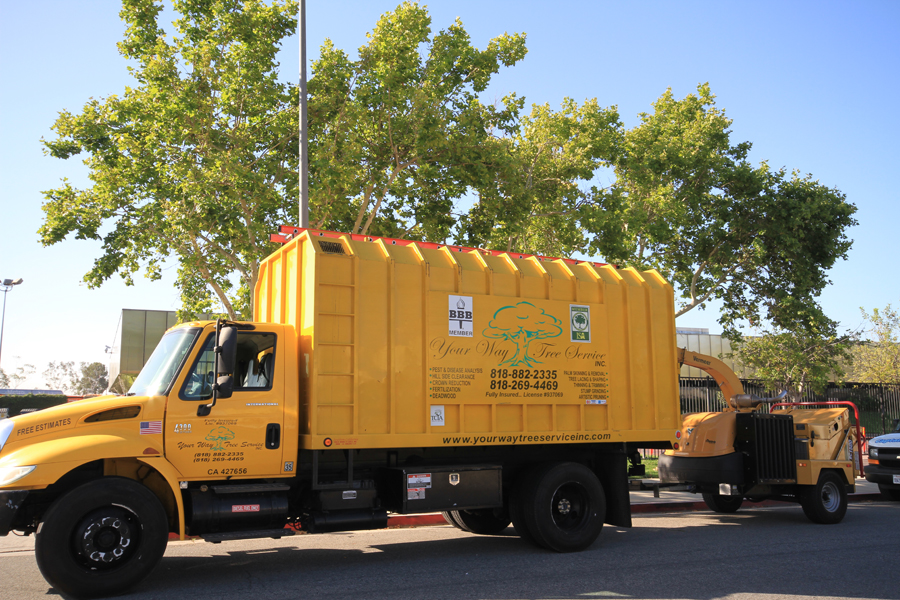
448	516
723	504
889	493
825	502
101	538
488	521
564	507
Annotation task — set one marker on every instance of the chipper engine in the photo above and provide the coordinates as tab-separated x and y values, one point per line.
792	453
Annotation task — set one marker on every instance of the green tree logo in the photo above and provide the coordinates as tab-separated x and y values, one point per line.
522	324
219	435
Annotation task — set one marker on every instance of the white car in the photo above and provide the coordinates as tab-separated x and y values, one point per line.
884	463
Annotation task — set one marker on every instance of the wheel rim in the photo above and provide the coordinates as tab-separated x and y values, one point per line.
570	506
106	538
831	496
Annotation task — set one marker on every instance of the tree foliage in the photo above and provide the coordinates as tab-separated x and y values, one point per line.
877	360
197	162
93	379
60	376
795	361
200	162
398	134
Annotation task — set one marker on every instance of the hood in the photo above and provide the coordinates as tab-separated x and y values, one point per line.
888	440
54	420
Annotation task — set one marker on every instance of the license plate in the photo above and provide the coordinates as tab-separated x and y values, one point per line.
896	478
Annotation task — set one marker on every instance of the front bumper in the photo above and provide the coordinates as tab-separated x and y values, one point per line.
10	503
883	476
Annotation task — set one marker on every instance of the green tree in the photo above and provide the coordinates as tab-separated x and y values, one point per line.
694	208
4	380
877	360
197	162
60	376
18	377
543	199
795	361
397	135
93	379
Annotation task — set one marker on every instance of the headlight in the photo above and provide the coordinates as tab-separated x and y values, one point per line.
6	427
873	452
12	474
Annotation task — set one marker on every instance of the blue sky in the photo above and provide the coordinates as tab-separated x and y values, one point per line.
813	85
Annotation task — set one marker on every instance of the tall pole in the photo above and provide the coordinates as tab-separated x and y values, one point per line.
6	285
304	158
3	319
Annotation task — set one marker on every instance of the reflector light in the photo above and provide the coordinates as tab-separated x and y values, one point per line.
676	445
678	435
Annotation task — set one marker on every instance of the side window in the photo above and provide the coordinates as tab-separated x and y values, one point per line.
198	385
254	370
255	361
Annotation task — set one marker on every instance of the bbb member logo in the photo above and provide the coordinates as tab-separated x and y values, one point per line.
460	315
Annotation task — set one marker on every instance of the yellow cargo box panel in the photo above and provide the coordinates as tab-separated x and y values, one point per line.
409	345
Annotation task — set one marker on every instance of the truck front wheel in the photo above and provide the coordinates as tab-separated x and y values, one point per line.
723	504
564	507
825	502
101	538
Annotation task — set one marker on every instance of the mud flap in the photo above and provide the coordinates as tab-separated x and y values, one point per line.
613	475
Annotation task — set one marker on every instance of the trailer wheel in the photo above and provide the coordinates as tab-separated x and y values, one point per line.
889	493
448	516
825	502
101	538
723	504
565	507
488	521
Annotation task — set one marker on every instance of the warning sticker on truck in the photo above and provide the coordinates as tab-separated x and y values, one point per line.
418	480
415	494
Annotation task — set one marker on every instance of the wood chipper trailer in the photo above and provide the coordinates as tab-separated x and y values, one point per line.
378	376
796	454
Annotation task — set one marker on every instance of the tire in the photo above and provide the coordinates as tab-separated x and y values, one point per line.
448	516
101	538
564	507
488	521
826	502
520	492
889	493
723	504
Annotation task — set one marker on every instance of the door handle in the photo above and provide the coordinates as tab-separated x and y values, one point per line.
273	436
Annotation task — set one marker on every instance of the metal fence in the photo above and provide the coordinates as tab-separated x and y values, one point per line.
878	404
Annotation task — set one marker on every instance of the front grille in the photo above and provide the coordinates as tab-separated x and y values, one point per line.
768	443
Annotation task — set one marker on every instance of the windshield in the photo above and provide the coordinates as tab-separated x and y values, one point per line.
161	369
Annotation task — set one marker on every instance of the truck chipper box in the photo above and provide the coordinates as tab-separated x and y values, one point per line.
377	376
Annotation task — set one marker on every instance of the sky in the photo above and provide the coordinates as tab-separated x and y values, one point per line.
813	86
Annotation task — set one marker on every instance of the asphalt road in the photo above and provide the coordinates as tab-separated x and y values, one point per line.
757	553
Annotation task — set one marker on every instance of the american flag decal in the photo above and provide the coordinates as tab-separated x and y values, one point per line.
151	427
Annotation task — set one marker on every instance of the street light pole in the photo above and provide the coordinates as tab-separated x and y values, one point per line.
304	158
6	286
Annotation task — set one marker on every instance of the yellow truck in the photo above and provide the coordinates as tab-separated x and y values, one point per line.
378	376
796	453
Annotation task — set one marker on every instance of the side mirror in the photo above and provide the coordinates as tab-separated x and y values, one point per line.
227	351
226	359
224	386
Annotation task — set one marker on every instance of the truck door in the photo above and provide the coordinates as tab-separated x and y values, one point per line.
241	436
